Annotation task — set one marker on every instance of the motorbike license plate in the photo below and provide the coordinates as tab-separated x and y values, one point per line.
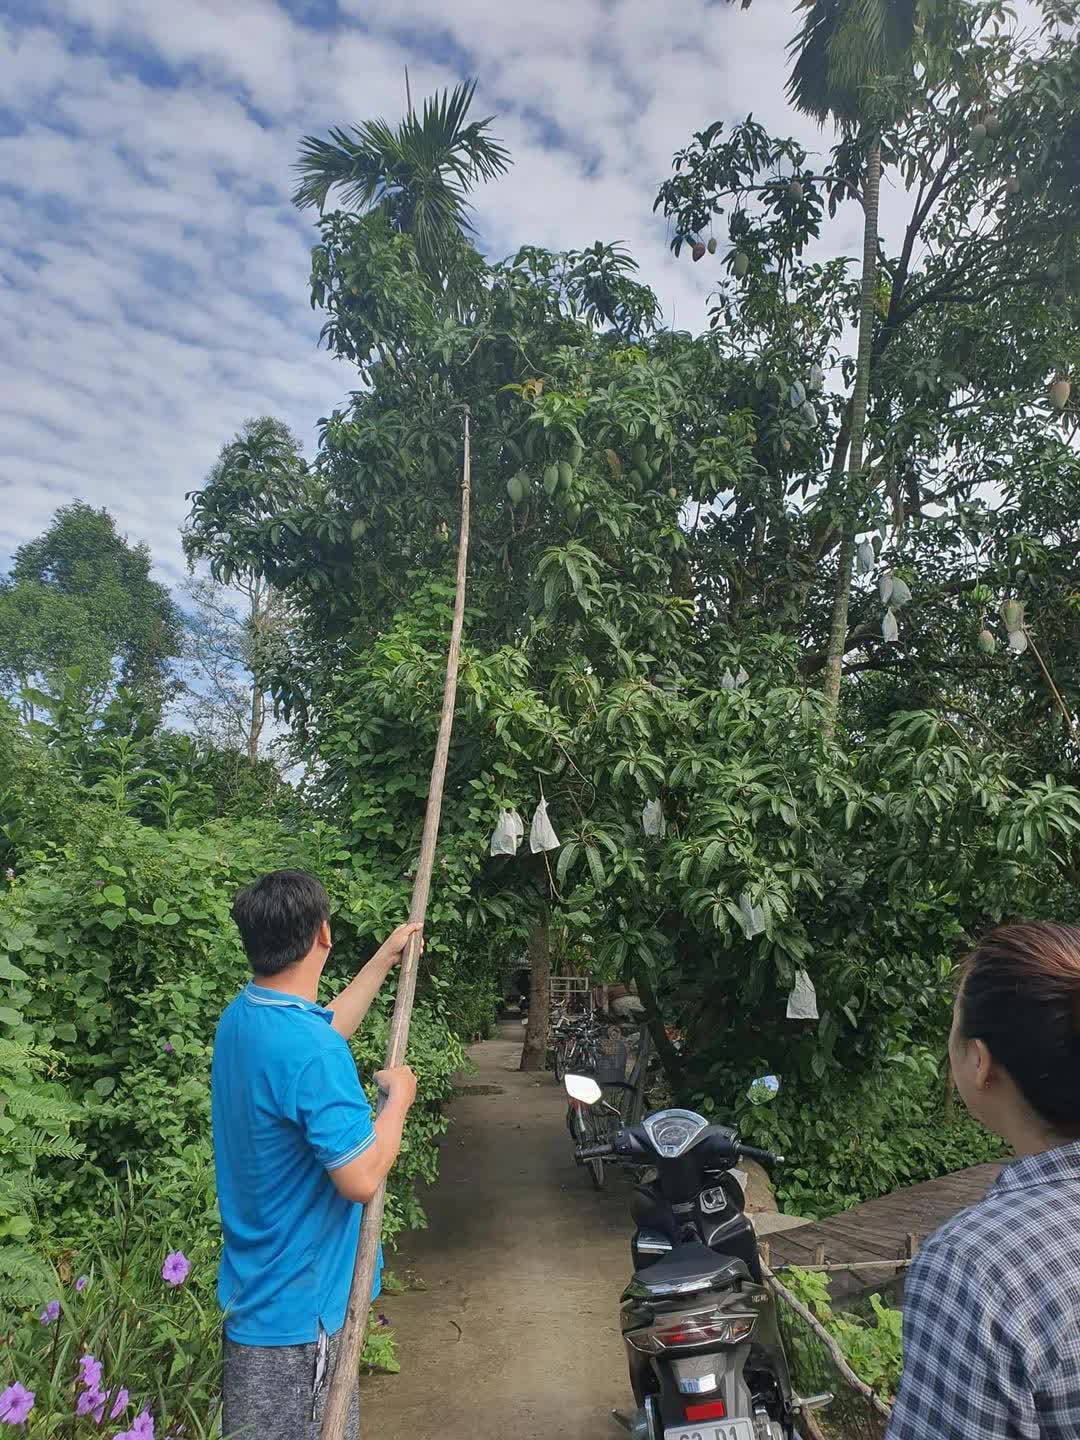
713	1430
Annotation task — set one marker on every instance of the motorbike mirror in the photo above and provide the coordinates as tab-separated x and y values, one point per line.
583	1088
764	1089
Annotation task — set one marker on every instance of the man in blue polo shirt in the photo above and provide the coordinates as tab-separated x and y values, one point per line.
297	1154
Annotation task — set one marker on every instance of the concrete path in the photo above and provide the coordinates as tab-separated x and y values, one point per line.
516	1335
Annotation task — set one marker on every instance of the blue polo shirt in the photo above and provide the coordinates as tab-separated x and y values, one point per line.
288	1108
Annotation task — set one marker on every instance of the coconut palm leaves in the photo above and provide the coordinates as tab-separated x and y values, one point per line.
418	175
843	46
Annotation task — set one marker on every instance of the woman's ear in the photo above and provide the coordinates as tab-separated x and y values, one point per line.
984	1065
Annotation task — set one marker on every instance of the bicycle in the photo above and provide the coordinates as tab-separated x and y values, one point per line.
601	1053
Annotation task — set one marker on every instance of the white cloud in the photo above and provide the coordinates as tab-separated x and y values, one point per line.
155	294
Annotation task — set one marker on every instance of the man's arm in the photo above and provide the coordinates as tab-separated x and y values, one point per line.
350	1007
360	1178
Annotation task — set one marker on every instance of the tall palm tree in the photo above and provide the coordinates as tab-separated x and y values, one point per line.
418	175
843	48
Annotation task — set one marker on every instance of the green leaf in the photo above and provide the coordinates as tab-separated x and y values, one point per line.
114	895
66	1032
105	1086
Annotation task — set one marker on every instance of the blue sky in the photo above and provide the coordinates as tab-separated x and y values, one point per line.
153	275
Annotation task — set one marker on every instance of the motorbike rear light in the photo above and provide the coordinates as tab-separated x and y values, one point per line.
702	1328
714	1410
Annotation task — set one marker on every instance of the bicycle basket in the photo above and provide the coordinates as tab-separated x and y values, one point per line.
613	1113
611	1058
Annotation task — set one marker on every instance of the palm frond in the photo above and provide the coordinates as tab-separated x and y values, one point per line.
419	175
340	161
842	48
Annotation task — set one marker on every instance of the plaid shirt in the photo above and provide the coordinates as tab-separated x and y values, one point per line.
992	1314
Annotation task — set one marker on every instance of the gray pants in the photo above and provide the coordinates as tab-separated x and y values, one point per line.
278	1392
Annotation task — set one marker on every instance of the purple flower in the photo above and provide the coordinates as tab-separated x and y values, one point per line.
90	1372
120	1404
16	1402
176	1267
143	1426
92	1402
168	1047
51	1313
81	1284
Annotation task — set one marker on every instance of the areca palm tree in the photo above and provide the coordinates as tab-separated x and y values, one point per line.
842	50
418	175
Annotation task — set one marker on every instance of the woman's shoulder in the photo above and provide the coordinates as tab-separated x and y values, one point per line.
1006	1238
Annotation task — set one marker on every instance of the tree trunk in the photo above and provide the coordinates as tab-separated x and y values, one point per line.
670	1058
257	710
258	703
855	496
534	1051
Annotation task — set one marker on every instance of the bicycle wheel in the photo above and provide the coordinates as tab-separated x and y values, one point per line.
560	1067
583	1132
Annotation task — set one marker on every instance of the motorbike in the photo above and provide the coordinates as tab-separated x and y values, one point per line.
699	1323
523	1009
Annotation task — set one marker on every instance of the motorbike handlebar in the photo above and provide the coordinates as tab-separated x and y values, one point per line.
594	1152
763	1157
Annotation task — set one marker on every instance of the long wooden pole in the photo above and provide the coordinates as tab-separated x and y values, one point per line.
352	1337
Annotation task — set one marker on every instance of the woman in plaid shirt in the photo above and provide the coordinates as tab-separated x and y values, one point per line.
992	1304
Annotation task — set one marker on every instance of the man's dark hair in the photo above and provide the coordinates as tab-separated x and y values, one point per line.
278	918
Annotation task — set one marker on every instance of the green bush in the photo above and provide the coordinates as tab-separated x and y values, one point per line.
860	1136
35	1125
872	1346
121	956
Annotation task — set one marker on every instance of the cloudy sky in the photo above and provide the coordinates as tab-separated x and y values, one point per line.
153	273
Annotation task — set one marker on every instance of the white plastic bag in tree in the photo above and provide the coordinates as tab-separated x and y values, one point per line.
802	1002
542	835
890	630
727	681
751	917
866	557
652	818
741	678
901	594
1012	612
506	837
1018	641
817	377
507	834
885	588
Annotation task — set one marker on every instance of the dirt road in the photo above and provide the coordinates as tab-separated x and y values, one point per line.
516	1335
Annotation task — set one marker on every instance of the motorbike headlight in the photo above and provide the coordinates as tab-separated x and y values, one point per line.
704	1327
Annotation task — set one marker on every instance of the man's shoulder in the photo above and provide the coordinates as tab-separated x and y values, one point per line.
282	1029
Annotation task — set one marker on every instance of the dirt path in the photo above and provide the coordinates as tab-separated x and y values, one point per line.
516	1335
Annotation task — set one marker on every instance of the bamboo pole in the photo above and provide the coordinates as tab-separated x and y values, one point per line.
352	1335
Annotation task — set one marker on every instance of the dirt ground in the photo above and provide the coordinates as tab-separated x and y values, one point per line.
515	1334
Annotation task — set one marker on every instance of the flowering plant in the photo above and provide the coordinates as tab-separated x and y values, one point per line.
127	1347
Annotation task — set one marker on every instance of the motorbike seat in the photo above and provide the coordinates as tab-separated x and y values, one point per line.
688	1270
